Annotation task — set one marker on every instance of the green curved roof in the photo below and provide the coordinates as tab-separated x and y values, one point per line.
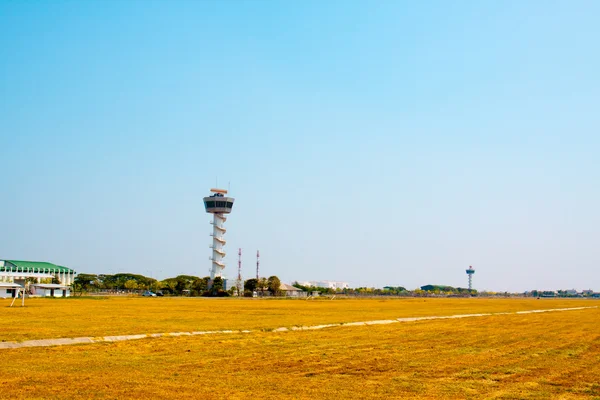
15	265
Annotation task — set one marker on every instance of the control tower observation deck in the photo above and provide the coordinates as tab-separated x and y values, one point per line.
218	205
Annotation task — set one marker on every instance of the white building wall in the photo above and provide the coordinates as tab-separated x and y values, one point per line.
329	284
43	292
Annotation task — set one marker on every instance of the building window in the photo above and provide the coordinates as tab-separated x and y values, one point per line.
218	204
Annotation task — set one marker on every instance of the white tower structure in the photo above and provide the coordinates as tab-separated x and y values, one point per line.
470	272
218	205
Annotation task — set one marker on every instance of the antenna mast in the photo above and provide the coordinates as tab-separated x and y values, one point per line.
239	282
257	263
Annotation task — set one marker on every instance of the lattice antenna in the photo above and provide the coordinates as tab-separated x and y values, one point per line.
240	282
257	263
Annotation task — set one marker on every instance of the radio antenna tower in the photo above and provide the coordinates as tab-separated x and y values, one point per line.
470	272
218	205
257	263
240	282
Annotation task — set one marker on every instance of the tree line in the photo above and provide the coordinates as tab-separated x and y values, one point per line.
427	290
176	286
191	285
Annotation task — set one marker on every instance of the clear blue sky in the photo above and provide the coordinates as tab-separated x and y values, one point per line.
380	143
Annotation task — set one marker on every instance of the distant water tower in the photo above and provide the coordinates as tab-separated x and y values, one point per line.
470	272
218	205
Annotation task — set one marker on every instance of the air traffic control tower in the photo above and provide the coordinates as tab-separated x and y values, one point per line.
470	272
218	205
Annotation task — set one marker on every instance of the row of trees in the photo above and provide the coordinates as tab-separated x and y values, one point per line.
386	291
124	281
447	290
196	286
271	285
427	290
562	293
179	285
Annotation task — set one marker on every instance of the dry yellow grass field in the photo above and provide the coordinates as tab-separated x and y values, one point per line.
72	317
528	356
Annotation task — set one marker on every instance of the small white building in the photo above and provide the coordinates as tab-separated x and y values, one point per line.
49	290
9	290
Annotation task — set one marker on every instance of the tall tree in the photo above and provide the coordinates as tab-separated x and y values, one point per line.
274	285
131	284
262	285
217	284
86	281
181	285
200	285
250	285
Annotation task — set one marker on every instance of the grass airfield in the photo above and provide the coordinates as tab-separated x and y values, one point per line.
553	355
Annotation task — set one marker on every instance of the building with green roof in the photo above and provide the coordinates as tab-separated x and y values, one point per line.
18	271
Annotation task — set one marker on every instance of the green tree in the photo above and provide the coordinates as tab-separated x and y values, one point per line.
77	288
86	281
217	284
250	285
107	281
200	285
131	284
216	288
299	286
168	285
118	281
274	285
152	284
178	284
262	285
